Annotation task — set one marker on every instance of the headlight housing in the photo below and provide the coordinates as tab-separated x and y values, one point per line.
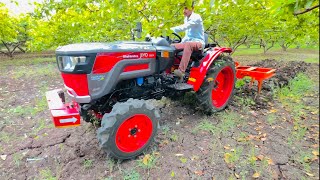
68	63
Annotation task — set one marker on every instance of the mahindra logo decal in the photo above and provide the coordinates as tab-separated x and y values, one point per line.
131	56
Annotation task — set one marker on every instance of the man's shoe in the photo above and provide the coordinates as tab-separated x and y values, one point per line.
179	73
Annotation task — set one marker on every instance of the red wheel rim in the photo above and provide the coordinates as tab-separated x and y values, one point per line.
222	87
134	133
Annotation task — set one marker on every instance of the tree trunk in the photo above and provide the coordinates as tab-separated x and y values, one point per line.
11	47
239	43
284	48
264	44
22	50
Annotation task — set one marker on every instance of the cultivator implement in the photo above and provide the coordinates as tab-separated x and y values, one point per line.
258	74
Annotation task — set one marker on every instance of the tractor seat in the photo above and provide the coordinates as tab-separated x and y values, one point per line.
196	55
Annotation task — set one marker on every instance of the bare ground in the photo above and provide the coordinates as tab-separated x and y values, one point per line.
262	137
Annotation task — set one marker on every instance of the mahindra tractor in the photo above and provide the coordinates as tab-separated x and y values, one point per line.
110	83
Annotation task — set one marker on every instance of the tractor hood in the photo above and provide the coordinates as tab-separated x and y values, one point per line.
120	46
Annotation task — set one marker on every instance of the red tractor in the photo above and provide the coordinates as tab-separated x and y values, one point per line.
110	82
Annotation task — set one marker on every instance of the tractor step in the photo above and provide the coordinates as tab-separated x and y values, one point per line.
181	86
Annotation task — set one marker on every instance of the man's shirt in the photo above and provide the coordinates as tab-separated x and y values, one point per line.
193	27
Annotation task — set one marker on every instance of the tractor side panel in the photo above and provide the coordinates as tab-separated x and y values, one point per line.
123	66
197	74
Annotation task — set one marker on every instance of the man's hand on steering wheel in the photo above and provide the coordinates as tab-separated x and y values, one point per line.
176	40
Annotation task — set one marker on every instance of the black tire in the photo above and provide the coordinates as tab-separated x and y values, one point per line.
204	95
124	112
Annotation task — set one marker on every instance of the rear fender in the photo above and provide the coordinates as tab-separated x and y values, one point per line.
197	74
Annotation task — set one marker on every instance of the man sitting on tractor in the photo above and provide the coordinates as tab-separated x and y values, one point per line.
193	40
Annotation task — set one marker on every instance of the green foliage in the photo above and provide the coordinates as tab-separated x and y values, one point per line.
14	31
294	7
230	23
241	82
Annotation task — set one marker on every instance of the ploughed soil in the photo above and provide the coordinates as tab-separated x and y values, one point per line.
258	136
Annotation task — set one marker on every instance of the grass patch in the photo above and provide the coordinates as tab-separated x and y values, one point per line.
87	163
252	159
40	105
39	126
248	51
312	60
131	175
229	120
241	82
148	161
17	159
5	137
206	125
296	89
271	119
46	174
233	156
297	134
304	158
27	62
111	164
37	71
165	129
174	137
244	101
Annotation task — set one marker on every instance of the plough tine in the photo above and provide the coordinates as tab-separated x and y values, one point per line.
256	73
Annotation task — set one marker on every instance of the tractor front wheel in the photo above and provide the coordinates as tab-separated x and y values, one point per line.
218	86
128	129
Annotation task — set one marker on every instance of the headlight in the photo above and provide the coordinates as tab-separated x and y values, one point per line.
67	63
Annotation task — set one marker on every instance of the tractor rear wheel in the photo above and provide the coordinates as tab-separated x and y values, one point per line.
128	129
217	88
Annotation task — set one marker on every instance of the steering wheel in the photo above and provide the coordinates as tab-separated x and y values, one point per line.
176	40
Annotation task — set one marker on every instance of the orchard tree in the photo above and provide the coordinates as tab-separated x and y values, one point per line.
13	32
236	22
66	22
230	23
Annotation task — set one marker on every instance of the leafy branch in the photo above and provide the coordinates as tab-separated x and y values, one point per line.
306	10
